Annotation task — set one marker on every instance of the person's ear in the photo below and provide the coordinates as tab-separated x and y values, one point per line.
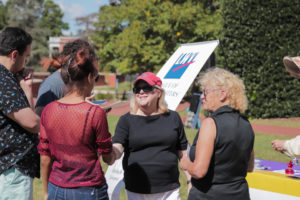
14	54
223	95
90	78
159	93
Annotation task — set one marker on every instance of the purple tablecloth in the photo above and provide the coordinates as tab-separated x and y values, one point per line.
275	166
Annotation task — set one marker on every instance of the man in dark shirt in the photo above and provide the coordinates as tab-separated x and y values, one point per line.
19	125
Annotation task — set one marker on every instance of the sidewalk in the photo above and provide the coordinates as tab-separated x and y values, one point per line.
275	130
258	128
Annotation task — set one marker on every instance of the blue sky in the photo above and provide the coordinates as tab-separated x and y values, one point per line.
77	8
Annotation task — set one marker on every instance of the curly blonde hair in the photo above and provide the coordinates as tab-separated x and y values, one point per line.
161	104
231	83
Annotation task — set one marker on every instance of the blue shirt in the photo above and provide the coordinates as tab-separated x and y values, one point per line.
50	90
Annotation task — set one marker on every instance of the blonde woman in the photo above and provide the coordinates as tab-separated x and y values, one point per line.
222	151
153	140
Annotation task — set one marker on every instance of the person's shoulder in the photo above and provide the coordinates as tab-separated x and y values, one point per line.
54	78
97	107
51	104
7	76
208	121
244	117
126	116
3	70
171	113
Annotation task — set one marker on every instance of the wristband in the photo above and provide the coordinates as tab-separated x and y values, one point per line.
188	182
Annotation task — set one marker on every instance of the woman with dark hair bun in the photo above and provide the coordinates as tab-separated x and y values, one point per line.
53	87
74	133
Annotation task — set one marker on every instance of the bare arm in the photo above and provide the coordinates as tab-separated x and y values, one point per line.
290	147
27	119
251	162
118	149
278	145
186	173
204	150
45	171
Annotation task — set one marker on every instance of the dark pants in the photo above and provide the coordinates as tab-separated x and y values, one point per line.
80	193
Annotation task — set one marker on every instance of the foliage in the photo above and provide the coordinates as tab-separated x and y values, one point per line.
256	35
123	86
2	15
88	23
26	14
41	19
139	36
107	96
52	19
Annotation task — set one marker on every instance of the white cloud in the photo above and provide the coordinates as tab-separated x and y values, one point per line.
76	10
72	10
101	2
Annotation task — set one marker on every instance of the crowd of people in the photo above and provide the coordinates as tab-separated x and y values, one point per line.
64	135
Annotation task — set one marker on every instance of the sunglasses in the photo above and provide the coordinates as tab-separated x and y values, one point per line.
97	78
146	88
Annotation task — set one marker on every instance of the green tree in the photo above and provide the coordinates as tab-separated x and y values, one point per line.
256	35
2	15
36	17
138	36
26	14
52	19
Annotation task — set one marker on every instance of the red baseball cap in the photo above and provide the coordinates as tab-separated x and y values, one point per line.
150	78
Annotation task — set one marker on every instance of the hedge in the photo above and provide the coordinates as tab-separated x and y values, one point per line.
255	37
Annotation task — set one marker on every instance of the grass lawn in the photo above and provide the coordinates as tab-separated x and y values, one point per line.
262	148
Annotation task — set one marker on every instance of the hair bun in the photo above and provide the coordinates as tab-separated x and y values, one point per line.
81	57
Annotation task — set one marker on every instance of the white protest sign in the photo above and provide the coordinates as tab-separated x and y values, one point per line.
181	69
114	178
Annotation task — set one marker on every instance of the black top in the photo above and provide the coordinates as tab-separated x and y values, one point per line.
18	147
229	163
151	146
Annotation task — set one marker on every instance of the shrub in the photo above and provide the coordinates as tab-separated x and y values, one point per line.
256	35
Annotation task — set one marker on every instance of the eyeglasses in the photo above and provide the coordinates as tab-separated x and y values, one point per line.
146	88
97	78
207	90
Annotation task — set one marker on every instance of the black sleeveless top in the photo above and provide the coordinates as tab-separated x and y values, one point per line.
225	178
